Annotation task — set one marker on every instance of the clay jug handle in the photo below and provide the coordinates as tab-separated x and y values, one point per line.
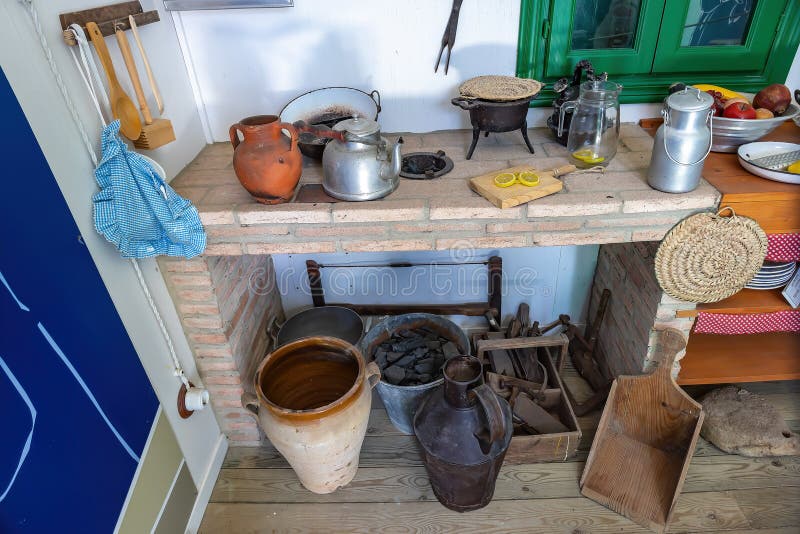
250	403
373	374
494	417
293	133
234	133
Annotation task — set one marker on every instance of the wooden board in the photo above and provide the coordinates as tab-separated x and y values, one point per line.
773	216
508	197
696	512
713	359
515	482
745	301
737	185
108	17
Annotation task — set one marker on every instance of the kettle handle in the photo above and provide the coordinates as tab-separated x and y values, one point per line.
495	420
376	97
234	133
292	132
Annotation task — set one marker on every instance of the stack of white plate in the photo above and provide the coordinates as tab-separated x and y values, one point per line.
772	275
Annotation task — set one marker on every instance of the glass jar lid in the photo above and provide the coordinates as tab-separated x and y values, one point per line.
358	126
601	90
690	99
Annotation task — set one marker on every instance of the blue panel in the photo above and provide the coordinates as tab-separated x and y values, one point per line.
77	406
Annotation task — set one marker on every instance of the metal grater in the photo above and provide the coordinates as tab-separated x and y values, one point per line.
776	162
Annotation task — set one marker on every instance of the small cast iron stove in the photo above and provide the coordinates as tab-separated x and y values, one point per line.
425	165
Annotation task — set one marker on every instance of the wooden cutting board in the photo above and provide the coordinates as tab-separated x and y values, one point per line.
508	197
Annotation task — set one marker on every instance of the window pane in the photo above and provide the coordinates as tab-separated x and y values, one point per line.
717	22
605	24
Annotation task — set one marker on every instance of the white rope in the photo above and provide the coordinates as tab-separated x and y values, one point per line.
91	69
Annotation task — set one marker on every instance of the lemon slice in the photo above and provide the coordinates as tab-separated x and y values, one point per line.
587	156
794	168
528	178
505	179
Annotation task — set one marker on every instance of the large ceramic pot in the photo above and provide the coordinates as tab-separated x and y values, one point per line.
464	430
313	402
267	164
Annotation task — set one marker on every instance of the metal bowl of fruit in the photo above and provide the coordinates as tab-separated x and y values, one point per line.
729	132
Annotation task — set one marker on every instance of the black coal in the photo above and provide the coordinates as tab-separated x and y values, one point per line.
414	357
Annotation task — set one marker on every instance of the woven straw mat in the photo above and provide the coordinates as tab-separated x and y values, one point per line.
499	88
706	257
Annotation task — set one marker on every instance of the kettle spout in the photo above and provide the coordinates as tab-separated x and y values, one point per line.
391	169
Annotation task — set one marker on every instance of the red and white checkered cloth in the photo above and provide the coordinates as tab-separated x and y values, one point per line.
783	247
758	323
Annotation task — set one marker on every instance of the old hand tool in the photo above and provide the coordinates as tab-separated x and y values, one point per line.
449	37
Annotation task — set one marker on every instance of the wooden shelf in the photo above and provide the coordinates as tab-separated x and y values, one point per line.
714	359
745	301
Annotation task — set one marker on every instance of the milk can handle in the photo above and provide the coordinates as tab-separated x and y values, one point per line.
494	417
665	114
571	104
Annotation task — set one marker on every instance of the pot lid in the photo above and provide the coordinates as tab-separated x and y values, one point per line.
690	99
358	126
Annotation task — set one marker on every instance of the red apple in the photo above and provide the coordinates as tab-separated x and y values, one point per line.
740	110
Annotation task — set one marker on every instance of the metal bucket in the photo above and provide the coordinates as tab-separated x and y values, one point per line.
401	401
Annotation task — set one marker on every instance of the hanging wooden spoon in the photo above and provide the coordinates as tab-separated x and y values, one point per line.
122	107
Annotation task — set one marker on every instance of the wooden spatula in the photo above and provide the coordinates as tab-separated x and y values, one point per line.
122	107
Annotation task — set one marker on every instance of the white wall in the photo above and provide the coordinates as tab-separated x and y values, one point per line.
25	67
551	280
254	61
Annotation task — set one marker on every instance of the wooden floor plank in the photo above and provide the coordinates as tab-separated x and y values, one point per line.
697	511
402	450
530	481
770	507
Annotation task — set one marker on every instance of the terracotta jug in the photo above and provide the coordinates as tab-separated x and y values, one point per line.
267	164
464	429
313	401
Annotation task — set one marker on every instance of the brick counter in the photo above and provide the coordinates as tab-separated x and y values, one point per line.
226	299
437	214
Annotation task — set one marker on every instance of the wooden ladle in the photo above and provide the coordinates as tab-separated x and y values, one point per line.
122	107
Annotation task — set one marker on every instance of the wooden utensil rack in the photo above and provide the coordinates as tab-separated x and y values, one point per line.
108	18
490	308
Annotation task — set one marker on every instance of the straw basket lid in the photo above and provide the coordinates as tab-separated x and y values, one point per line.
707	257
500	88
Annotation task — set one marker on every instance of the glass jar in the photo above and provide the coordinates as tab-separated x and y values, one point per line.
594	129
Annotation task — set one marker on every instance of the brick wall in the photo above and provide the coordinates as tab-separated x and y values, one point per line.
637	309
225	304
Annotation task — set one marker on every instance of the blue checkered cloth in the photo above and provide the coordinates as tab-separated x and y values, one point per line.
137	210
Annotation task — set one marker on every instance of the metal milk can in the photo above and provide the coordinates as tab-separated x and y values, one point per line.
682	143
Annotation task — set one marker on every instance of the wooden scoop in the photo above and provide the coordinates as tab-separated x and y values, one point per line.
644	442
155	133
122	107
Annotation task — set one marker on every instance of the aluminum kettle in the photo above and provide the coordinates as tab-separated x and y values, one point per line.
360	165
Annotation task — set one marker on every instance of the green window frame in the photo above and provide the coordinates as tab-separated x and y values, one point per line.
656	58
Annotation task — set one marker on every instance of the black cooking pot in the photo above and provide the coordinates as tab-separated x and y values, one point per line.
488	116
330	321
326	107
